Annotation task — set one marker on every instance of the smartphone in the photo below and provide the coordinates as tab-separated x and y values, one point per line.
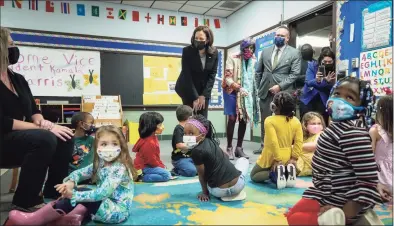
341	74
322	70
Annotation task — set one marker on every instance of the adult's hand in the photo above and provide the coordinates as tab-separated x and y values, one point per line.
196	104
201	102
45	124
384	192
330	78
275	89
243	92
319	77
62	132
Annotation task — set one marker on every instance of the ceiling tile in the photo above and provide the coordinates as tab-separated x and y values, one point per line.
179	2
193	9
206	4
166	5
230	5
218	13
146	4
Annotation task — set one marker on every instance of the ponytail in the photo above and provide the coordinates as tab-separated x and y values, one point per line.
212	133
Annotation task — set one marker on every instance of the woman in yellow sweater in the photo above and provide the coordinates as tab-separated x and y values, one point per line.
282	144
312	126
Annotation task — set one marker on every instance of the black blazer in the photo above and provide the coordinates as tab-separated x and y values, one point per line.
193	80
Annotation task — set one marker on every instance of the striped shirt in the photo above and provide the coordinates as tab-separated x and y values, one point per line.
344	167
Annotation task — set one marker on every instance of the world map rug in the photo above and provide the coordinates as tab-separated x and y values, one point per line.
175	203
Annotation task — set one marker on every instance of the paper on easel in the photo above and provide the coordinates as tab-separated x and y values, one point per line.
109	116
351	33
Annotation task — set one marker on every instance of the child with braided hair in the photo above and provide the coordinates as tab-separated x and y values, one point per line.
217	175
283	144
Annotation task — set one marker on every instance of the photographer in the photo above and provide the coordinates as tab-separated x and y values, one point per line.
320	77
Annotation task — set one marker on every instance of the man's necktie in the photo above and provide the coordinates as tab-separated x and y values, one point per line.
276	59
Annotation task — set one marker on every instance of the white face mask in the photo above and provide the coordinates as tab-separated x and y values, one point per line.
108	154
190	141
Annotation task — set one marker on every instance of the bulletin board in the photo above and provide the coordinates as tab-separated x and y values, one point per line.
263	41
355	40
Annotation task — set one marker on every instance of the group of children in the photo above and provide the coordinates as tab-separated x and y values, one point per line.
340	158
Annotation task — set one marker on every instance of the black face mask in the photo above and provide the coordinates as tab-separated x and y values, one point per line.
90	130
329	68
200	45
13	55
307	54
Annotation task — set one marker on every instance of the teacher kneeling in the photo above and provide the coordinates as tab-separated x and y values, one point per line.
28	140
199	68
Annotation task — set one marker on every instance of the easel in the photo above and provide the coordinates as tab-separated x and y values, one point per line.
100	108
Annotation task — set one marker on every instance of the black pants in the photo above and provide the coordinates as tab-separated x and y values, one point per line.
36	152
203	112
315	105
65	205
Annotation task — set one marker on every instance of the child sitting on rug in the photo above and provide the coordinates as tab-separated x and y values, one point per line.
344	175
147	149
282	144
312	126
180	156
217	175
83	123
110	202
382	140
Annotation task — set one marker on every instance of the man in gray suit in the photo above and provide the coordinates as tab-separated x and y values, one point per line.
277	70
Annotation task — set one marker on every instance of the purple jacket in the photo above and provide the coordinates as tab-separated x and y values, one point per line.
312	88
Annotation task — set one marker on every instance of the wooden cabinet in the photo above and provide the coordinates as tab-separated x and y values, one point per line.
59	113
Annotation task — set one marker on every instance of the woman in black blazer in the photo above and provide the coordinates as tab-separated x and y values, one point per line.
199	68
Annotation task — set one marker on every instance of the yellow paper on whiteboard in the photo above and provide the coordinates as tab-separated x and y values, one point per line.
172	75
149	61
148	85
160	85
149	99
156	73
133	132
164	99
175	99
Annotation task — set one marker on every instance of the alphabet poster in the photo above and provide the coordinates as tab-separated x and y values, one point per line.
59	72
376	66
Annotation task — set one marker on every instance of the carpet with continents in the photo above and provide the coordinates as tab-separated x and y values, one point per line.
175	203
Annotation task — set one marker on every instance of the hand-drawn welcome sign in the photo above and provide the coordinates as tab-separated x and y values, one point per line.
59	72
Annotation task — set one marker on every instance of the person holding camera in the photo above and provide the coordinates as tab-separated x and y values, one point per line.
320	77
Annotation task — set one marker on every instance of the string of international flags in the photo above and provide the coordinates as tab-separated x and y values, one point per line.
110	12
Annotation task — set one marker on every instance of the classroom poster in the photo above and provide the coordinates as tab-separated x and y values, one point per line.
265	41
59	72
377	26
377	67
160	75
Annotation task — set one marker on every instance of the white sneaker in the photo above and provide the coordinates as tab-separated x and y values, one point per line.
280	177
369	218
238	197
333	217
291	176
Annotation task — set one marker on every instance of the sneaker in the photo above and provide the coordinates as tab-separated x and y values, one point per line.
369	218
333	216
291	176
279	177
174	173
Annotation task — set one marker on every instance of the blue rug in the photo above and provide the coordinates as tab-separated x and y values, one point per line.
175	203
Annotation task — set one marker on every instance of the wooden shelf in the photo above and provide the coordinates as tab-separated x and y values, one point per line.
59	113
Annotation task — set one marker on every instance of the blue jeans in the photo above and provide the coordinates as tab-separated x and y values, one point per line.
156	174
185	167
242	165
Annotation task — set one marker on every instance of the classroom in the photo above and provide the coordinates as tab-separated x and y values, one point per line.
196	112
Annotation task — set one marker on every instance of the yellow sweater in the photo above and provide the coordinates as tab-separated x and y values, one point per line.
278	140
304	163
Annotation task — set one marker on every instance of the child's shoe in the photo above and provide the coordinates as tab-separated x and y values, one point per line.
291	176
369	218
279	177
332	217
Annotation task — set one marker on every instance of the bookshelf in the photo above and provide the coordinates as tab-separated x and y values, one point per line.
59	113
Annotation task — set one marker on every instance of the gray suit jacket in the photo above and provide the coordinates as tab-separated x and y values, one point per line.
284	74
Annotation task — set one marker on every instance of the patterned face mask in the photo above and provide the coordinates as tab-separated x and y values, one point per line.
342	110
108	154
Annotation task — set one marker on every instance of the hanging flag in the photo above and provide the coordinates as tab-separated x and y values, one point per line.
110	13
95	11
122	14
160	19
49	6
172	20
217	23
148	18
33	4
196	22
184	21
80	9
206	22
17	4
65	6
135	16
1	2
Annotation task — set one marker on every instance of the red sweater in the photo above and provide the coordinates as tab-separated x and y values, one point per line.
147	153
